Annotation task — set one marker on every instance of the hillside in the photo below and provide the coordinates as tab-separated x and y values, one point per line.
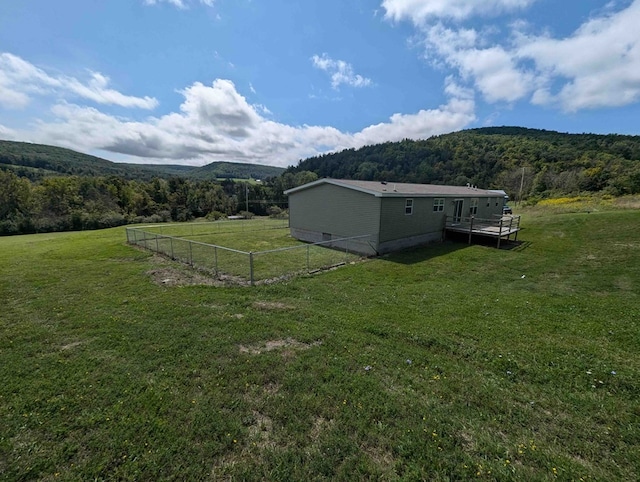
543	162
233	170
36	161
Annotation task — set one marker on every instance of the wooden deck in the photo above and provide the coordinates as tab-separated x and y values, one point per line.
500	227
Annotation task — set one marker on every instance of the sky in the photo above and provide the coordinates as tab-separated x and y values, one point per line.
276	81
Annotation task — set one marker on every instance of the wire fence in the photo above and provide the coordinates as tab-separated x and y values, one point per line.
244	267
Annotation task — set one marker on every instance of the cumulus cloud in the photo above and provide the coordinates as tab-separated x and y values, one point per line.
455	115
419	11
492	70
341	72
597	66
8	134
216	123
20	81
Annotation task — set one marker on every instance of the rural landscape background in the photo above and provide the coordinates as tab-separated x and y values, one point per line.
45	188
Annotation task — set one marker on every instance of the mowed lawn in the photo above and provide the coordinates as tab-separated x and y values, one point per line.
448	362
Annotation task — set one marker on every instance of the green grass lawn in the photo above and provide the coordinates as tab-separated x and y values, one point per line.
448	362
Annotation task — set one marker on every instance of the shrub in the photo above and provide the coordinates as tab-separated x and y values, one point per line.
215	215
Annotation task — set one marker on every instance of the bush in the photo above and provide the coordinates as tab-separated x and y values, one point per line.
215	215
276	212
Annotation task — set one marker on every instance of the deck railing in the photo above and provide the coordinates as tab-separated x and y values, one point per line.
499	227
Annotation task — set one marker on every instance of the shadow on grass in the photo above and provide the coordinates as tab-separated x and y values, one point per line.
422	253
489	241
451	245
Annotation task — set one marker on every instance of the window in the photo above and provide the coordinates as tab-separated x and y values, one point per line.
408	206
438	205
473	209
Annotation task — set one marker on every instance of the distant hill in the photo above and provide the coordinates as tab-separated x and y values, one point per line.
233	170
36	161
542	162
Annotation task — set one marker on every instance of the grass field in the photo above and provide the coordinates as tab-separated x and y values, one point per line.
443	363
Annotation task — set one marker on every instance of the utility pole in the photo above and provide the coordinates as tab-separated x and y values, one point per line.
521	186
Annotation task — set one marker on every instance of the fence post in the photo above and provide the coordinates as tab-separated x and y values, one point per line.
171	244
157	246
470	228
308	264
500	233
215	260
251	268
144	239
191	253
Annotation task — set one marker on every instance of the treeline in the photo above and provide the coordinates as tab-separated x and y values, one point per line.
542	163
74	203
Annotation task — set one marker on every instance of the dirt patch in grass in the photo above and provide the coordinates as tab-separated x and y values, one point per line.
167	273
271	305
71	345
168	276
320	425
286	346
260	431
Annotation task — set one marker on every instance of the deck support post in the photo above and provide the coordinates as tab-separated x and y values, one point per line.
470	228
500	233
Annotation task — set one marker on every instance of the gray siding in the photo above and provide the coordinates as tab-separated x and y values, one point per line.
395	224
493	209
334	210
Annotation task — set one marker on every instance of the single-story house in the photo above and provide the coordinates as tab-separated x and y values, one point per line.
393	215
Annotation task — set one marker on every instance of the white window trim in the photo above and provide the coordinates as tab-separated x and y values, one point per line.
438	205
408	207
473	207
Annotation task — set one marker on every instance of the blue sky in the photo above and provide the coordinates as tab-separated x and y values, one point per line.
275	81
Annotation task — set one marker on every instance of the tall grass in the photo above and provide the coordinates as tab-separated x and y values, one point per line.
442	363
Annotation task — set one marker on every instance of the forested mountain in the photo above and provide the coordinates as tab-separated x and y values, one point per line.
544	162
36	161
234	170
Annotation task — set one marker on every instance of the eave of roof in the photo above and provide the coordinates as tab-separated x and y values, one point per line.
397	189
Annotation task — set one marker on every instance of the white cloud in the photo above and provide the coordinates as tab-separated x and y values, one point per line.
597	66
341	72
453	116
492	70
216	123
21	80
419	11
8	134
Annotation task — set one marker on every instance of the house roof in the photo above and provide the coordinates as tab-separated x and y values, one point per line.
398	189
